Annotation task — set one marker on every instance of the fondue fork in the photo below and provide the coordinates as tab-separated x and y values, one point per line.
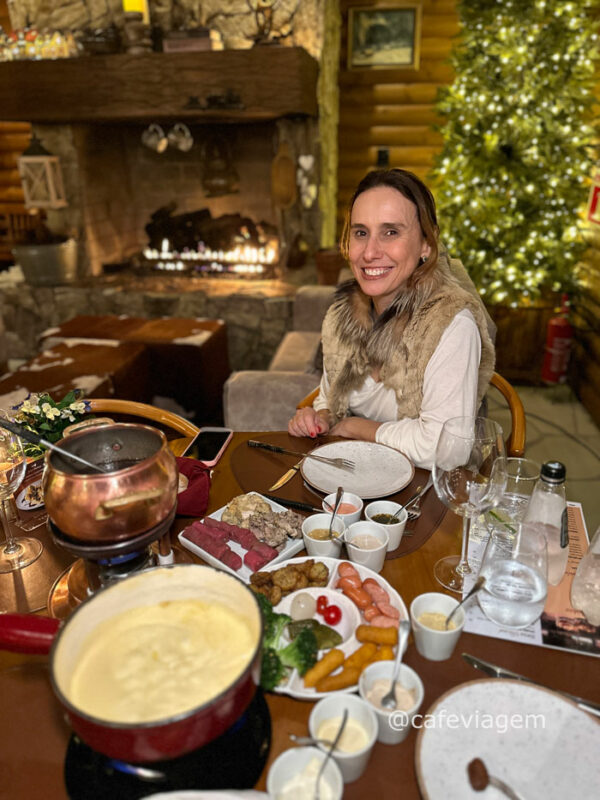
338	736
340	463
34	438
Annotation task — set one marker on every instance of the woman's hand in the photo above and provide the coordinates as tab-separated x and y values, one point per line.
308	422
356	428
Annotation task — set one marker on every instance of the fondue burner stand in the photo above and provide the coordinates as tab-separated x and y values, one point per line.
102	563
233	761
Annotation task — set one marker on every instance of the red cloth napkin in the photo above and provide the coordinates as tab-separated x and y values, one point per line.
193	502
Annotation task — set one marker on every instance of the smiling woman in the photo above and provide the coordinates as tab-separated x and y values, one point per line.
406	344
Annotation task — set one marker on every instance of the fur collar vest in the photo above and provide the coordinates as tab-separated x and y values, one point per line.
399	343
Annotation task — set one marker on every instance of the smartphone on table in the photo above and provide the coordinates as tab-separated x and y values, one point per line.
209	445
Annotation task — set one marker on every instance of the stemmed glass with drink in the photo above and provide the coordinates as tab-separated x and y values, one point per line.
515	568
16	552
469	475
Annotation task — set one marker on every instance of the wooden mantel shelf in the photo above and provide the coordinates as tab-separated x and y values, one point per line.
229	85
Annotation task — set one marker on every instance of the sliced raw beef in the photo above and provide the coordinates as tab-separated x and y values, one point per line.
214	533
242	536
264	550
213	546
231	559
255	561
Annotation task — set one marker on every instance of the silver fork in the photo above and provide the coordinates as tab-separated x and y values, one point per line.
340	463
415	507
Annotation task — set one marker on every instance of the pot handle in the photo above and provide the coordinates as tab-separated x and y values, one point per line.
88	423
22	633
105	510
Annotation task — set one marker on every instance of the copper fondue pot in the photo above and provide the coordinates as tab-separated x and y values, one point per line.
137	491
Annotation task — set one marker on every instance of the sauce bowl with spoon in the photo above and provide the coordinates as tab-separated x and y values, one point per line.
394	723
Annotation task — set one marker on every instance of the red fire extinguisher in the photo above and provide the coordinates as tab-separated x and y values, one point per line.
559	338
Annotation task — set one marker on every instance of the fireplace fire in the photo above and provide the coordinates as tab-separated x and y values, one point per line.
198	245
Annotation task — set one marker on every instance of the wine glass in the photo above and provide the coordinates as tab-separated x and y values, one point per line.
17	552
469	475
515	567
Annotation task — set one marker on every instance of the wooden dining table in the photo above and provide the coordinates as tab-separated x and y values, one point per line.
34	734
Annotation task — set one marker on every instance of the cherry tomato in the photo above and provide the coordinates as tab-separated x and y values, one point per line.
322	603
332	615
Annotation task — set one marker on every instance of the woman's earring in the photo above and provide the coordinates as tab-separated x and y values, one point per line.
422	261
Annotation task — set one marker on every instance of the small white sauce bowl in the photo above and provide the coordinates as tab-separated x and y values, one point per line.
352	765
394	531
323	547
393	726
347	497
373	559
435	645
293	761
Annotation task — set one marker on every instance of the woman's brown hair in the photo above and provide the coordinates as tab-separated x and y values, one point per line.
414	190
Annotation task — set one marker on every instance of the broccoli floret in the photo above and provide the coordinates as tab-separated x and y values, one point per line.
301	653
272	671
274	623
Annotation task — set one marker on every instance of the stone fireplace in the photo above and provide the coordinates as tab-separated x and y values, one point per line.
116	185
267	102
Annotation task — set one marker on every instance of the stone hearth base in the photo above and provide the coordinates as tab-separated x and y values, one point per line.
257	313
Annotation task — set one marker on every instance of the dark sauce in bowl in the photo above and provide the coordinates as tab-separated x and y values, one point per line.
383	519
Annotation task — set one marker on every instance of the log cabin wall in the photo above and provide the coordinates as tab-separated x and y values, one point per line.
585	363
14	138
393	108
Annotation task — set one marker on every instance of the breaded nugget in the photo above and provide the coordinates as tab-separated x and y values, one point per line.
305	566
261	578
275	595
318	574
286	578
260	590
302	582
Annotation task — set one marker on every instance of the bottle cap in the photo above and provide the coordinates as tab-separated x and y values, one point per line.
553	472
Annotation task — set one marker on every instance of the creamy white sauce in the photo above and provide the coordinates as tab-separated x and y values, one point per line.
354	737
302	785
405	698
157	661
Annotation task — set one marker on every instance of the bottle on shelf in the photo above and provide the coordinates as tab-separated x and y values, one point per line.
548	509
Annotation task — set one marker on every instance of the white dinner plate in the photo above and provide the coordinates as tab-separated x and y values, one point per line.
542	745
379	470
290	548
295	685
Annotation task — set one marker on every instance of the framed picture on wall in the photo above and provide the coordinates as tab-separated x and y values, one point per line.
381	37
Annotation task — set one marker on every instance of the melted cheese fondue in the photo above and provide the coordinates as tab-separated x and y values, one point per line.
157	661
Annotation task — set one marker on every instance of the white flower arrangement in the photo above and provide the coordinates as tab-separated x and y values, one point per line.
48	418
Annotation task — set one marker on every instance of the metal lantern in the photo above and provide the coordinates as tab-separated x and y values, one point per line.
41	177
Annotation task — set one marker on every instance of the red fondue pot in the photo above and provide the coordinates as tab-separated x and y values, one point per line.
163	738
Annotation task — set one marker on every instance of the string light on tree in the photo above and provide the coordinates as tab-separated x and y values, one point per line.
511	177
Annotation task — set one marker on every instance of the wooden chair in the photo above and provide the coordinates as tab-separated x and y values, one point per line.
515	444
100	405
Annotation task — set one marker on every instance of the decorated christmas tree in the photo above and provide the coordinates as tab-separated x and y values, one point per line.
518	133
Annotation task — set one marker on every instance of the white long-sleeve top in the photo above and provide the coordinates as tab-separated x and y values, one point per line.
449	390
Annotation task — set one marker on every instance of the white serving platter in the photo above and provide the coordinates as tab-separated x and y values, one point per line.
291	546
295	684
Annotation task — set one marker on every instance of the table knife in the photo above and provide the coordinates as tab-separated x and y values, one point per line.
502	672
294	504
287	476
